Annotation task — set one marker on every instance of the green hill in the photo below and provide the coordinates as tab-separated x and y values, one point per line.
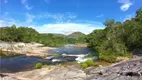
76	35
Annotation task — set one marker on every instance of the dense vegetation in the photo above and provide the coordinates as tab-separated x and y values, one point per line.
117	39
25	34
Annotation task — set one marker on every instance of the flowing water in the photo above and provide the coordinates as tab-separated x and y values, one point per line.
67	53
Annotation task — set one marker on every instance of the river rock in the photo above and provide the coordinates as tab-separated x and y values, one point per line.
131	70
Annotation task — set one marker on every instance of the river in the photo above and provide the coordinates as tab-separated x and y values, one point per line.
67	53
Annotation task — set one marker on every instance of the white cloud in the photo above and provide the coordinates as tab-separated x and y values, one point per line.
125	7
66	28
7	22
29	18
129	16
5	1
100	16
59	17
125	4
63	27
26	5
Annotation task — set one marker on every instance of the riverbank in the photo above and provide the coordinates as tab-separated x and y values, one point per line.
29	49
124	70
128	70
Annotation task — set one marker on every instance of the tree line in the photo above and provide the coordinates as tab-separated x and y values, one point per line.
117	39
27	35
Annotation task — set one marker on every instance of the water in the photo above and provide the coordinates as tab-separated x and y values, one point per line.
67	53
71	49
16	64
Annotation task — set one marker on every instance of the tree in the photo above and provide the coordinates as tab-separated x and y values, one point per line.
109	23
117	39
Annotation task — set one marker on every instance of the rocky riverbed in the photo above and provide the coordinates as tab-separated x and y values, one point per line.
129	70
126	70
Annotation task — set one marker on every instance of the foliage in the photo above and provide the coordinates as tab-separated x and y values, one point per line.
88	63
117	39
38	65
84	65
92	54
55	54
52	40
27	35
108	57
76	37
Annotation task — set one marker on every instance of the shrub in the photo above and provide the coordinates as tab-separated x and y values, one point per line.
77	62
84	65
129	55
88	63
55	54
111	58
39	65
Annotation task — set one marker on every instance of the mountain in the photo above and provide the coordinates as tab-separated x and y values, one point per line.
76	35
55	34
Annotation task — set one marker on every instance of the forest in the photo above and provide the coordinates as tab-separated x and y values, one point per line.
117	39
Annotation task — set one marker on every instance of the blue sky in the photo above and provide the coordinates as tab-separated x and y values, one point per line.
65	16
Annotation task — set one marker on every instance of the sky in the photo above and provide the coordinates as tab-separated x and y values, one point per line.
65	16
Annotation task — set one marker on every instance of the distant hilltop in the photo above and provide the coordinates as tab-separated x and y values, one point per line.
74	35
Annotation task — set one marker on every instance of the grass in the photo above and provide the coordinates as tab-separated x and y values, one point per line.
55	54
46	66
60	65
40	65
